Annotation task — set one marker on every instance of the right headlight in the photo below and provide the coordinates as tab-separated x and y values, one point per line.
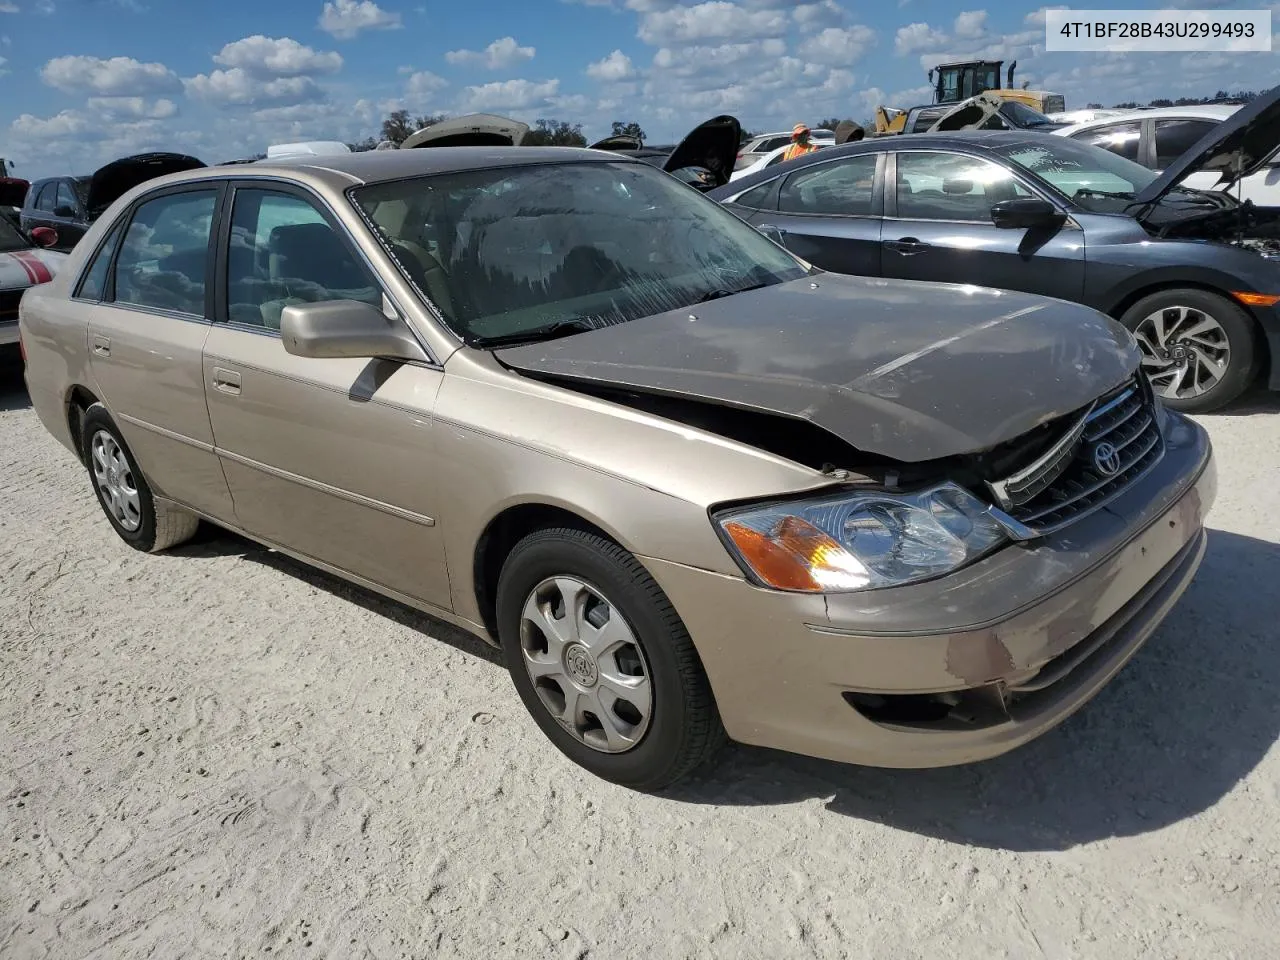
860	541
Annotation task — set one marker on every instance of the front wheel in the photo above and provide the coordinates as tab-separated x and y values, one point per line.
1198	348
603	662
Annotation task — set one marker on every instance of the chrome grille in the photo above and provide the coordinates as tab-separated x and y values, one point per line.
1110	445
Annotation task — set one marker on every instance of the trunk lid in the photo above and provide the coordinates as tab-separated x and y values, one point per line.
910	371
473	130
1237	147
117	178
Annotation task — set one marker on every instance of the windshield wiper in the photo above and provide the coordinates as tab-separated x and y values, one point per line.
549	331
717	294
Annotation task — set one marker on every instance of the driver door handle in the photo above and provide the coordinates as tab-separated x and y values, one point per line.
101	346
907	246
226	381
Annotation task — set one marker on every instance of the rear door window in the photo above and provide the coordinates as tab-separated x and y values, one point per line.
164	257
1176	137
843	188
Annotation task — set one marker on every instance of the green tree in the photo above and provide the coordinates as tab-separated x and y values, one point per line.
555	133
829	124
628	129
399	124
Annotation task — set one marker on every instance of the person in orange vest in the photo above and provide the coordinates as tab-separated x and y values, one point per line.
801	142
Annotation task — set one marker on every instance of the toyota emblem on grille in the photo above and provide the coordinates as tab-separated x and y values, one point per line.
1106	459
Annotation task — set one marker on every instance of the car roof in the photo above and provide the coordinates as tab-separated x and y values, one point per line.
376	166
1207	111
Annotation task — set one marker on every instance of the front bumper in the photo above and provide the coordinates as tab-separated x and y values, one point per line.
965	667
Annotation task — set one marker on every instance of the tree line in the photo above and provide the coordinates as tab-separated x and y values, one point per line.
1241	96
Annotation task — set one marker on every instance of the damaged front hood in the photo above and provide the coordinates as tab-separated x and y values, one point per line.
712	145
1237	147
117	178
910	371
473	130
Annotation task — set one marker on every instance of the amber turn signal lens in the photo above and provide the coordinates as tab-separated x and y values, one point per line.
796	555
1257	299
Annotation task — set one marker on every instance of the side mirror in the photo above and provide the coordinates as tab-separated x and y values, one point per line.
44	236
346	329
1025	213
63	211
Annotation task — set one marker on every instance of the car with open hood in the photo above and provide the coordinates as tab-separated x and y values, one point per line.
1158	137
70	205
24	263
691	485
1194	274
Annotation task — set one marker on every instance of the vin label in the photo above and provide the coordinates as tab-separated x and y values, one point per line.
1152	31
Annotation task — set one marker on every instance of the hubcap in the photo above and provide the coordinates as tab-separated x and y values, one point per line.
586	664
1185	352
116	487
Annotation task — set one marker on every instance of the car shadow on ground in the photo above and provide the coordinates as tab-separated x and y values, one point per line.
1256	400
212	541
1186	720
13	389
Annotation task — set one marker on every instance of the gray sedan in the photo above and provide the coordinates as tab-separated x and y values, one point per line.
1194	274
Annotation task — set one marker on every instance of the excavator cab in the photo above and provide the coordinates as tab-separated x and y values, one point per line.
954	82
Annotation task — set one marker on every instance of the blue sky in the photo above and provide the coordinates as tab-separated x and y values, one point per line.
84	81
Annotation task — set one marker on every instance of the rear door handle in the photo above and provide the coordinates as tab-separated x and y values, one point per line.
101	346
906	246
226	381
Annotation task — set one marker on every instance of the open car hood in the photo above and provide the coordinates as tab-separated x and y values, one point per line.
473	130
712	145
117	178
13	191
905	370
1236	148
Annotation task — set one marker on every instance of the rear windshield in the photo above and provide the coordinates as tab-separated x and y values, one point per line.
505	251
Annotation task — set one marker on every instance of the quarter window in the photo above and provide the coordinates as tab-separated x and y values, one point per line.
843	188
1122	139
164	256
47	199
283	252
1176	137
949	186
756	198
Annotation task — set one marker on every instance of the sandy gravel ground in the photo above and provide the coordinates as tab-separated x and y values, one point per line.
219	753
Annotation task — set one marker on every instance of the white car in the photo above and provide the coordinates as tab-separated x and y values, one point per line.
770	159
1156	137
22	265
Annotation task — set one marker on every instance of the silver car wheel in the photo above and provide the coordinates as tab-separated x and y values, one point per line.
586	664
116	486
1185	352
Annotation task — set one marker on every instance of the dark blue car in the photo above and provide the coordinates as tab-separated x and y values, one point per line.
1194	274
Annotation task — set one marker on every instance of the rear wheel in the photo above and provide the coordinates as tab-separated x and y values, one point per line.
1198	348
123	492
602	661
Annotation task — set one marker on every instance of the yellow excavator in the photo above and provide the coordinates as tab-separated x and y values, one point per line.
957	82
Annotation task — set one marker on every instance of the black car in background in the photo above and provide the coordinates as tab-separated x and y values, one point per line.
1194	274
70	205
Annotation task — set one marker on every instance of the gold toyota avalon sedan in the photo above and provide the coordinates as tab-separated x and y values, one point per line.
691	486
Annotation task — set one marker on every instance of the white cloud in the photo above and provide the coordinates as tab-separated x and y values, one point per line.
815	16
701	67
424	83
345	19
499	55
3	71
68	123
272	57
237	87
46	8
918	36
117	77
135	107
509	94
838	46
1036	18
971	24
712	20
616	66
7	7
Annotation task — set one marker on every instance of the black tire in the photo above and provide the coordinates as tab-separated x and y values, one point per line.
684	728
159	526
1242	364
